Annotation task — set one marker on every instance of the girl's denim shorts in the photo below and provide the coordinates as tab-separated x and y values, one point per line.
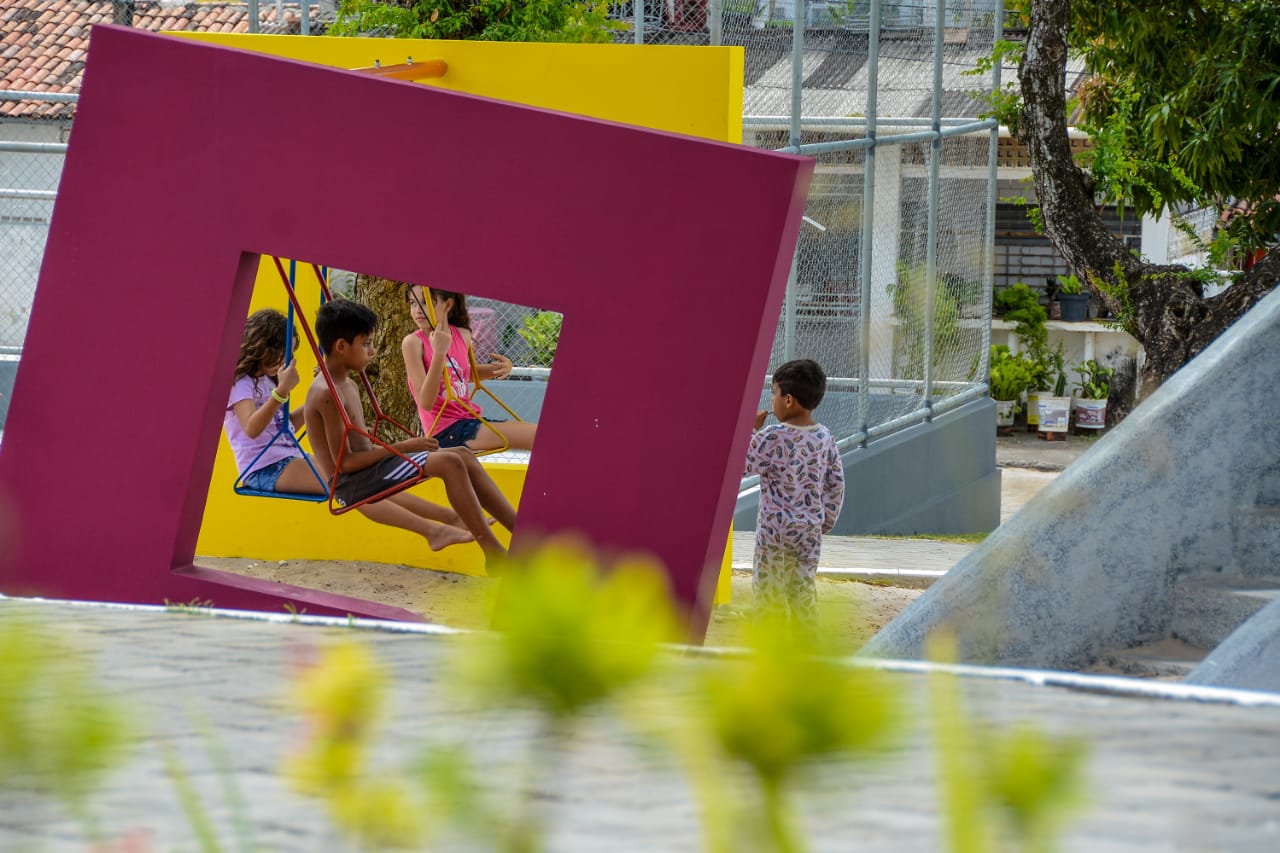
460	432
264	479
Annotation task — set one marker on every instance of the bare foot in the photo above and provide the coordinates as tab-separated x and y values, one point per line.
444	535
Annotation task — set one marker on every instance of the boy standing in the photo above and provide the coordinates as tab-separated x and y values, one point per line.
345	332
801	491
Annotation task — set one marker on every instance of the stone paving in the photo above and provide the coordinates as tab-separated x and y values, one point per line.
1164	773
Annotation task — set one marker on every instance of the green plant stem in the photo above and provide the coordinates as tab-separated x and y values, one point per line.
191	805
525	832
78	806
778	818
230	790
961	802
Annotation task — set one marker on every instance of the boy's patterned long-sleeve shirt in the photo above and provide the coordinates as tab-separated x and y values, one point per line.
801	477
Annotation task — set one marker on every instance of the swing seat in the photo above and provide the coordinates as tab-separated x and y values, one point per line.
244	491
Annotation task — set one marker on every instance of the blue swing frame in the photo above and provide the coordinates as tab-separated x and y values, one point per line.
286	429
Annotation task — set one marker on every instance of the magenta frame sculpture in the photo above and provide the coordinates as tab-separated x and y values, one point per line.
189	160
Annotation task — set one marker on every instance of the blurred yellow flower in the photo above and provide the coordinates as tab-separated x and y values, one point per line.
571	634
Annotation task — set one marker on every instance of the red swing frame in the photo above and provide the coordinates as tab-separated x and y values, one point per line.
349	427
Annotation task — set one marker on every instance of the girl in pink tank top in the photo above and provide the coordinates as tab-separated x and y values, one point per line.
433	357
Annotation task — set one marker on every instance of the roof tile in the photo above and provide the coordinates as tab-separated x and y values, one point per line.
43	42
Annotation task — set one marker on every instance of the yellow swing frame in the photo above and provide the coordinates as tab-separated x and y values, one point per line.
450	395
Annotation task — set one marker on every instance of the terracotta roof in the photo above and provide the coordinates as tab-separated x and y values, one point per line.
43	42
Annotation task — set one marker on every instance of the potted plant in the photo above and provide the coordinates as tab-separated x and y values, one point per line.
1091	394
1021	306
1053	406
1073	299
1010	376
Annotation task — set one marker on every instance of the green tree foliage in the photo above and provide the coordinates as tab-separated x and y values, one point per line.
484	20
1183	104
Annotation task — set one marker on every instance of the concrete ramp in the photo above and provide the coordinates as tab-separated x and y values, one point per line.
1248	659
1187	487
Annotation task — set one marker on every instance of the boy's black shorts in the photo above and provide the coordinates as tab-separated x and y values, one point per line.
358	485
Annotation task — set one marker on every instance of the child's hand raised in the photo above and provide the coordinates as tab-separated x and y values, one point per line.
441	339
500	365
287	378
760	416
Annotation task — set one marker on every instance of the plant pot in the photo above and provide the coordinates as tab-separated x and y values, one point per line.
1054	413
1005	411
1091	414
1075	307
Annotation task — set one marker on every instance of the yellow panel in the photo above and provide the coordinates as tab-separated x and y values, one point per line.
683	89
691	90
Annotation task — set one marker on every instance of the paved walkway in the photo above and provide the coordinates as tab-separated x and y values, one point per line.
1164	773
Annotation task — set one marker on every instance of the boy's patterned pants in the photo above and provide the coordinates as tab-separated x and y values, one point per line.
785	574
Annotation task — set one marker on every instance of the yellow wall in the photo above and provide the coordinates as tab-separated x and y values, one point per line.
691	90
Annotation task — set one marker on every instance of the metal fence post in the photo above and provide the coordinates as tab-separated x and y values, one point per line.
797	68
715	22
989	239
931	238
797	81
867	226
637	13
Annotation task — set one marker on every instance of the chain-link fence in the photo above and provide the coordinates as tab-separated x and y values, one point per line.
30	165
890	289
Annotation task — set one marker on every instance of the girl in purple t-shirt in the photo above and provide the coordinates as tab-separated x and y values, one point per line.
255	415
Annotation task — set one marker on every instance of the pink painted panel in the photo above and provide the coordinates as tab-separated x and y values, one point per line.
668	256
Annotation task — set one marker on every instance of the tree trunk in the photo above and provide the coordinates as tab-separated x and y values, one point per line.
1160	305
387	300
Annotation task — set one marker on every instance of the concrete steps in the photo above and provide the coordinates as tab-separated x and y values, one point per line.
1163	660
1208	608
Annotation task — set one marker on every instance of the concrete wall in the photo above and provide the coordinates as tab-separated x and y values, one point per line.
1183	487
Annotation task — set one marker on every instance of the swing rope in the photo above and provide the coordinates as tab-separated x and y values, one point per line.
429	311
348	426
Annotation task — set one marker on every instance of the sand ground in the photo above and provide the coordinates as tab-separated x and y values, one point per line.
851	611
